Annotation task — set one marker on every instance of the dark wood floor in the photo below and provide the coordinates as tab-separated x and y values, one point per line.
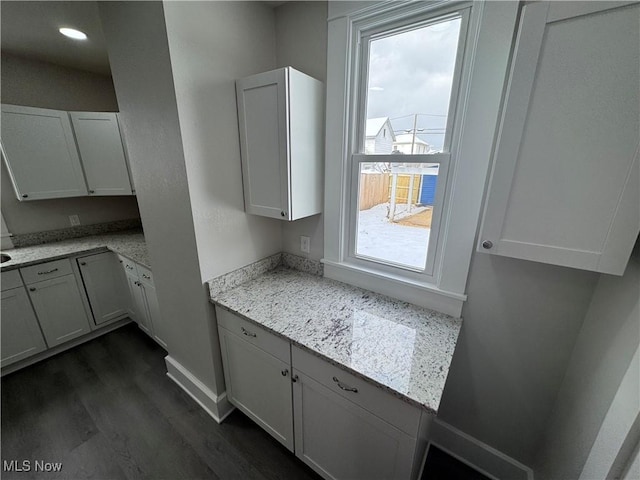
107	410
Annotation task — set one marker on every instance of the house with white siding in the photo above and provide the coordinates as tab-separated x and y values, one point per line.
379	136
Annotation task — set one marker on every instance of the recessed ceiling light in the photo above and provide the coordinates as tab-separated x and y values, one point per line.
73	33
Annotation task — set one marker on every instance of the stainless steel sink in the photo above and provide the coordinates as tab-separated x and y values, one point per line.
4	257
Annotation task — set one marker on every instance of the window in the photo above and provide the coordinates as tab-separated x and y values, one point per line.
409	73
413	98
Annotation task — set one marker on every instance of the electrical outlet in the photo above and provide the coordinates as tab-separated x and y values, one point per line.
305	244
75	221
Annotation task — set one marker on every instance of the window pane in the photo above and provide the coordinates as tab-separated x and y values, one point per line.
395	206
409	88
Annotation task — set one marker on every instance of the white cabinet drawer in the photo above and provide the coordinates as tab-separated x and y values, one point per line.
382	404
46	271
255	335
10	279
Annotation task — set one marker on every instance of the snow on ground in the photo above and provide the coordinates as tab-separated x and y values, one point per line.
382	239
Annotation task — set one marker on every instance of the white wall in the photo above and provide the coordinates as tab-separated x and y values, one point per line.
301	42
141	67
41	84
601	356
211	45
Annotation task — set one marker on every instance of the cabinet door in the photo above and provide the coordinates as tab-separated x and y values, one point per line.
105	286
262	117
138	303
102	153
158	328
259	384
565	182
21	335
341	440
59	308
40	153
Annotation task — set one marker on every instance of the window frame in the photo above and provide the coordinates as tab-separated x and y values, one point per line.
366	32
489	39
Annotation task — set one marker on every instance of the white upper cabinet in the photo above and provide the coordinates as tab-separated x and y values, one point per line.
102	153
565	183
280	116
40	153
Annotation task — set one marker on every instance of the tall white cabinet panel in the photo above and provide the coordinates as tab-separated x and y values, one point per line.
21	335
565	183
280	115
341	440
105	286
102	152
40	153
58	305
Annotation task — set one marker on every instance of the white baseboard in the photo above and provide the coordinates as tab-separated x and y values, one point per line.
65	346
217	406
478	455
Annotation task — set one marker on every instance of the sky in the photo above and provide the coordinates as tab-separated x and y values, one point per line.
411	72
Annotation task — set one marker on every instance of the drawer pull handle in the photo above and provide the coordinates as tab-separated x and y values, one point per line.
83	263
128	267
344	387
48	271
32	289
144	275
285	372
294	378
247	332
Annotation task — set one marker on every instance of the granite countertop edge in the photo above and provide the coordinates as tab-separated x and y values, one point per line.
436	333
386	388
47	252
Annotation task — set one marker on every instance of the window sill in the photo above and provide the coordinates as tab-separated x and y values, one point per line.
417	293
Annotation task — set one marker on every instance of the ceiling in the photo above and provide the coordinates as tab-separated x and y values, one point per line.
30	29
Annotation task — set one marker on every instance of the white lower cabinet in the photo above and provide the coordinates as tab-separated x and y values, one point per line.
259	384
21	335
341	440
104	283
60	310
142	302
340	425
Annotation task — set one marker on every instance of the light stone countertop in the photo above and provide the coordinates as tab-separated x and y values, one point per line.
128	243
397	346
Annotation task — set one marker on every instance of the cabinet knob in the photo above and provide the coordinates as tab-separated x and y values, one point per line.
32	289
285	372
294	378
83	263
24	195
120	261
92	191
487	244
283	213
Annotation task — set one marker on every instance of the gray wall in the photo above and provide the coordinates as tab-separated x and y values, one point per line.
235	39
40	84
603	350
301	42
520	323
141	67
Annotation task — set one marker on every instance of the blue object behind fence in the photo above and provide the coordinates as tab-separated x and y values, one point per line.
428	189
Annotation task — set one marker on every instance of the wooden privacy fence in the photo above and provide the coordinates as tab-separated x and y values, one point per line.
375	188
